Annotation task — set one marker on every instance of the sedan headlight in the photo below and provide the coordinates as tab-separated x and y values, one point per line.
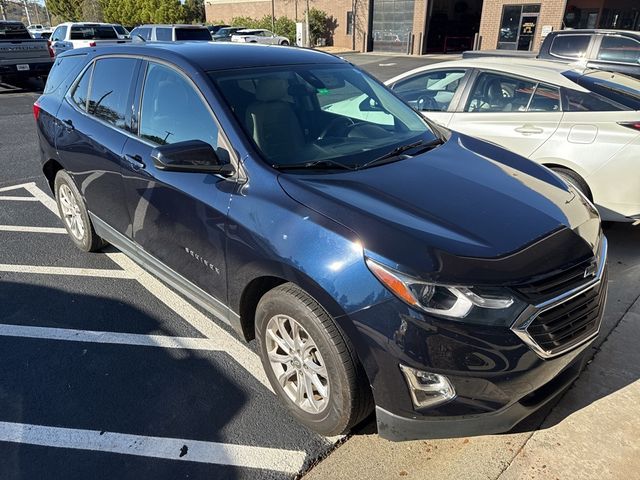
455	302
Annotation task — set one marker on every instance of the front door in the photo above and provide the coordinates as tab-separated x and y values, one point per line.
516	113
178	217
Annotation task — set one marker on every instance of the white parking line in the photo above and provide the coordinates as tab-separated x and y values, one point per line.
80	272
237	349
19	228
16	187
18	199
91	336
289	461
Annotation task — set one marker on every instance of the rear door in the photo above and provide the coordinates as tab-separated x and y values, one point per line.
93	130
618	53
178	217
434	93
517	113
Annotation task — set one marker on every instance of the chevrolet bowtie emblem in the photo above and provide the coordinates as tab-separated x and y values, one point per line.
590	271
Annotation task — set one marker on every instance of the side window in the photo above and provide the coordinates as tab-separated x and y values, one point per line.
588	102
144	33
494	92
172	111
430	91
81	90
570	46
619	49
163	34
59	34
546	99
110	88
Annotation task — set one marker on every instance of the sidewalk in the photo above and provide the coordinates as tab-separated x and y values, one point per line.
592	433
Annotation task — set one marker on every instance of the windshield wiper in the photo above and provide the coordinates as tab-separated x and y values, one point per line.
396	152
316	164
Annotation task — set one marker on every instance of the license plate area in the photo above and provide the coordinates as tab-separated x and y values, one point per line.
23	67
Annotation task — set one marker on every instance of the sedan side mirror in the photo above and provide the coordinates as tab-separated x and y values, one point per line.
190	156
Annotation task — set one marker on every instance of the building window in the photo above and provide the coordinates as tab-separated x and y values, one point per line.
518	27
350	23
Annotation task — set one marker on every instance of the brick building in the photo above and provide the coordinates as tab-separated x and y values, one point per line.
438	26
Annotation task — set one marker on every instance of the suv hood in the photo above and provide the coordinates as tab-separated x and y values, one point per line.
443	214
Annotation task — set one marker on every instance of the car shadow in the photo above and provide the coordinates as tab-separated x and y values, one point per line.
18	85
107	387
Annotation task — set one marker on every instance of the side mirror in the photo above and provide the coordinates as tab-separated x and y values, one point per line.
190	156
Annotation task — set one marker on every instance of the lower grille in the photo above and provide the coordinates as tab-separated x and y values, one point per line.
570	322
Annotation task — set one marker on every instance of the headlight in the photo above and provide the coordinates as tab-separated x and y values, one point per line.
445	300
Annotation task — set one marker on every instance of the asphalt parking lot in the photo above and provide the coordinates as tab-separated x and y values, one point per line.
107	373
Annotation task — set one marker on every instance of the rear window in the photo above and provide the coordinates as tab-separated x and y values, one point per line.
97	32
193	34
616	87
121	30
589	102
13	31
570	46
62	68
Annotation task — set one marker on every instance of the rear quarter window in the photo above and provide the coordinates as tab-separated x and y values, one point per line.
63	68
570	46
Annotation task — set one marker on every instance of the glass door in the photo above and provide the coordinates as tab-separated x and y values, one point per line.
518	27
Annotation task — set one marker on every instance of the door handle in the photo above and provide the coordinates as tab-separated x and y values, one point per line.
529	129
135	161
68	125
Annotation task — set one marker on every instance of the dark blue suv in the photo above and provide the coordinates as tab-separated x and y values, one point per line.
380	262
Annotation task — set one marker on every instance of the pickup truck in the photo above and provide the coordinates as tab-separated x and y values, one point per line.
70	35
22	56
609	50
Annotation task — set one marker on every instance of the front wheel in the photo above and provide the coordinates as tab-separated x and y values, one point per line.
73	213
284	43
311	366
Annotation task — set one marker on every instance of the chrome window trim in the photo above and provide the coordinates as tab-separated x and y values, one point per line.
526	318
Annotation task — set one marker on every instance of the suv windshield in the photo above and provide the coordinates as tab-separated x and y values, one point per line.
193	34
93	32
13	31
320	114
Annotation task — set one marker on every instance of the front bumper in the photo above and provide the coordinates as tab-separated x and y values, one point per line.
397	428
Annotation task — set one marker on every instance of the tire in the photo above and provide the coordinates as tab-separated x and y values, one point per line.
344	399
73	213
574	179
284	43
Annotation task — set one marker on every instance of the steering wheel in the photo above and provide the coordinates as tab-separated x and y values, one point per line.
342	125
427	103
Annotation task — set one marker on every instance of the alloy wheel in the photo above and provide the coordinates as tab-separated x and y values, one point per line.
297	363
71	212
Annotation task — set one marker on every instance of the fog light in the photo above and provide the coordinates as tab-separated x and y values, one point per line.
427	389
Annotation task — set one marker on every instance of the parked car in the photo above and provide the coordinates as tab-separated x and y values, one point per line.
22	56
259	36
584	125
213	29
225	34
448	282
609	50
70	35
172	33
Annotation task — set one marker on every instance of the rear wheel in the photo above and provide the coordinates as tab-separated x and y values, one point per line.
574	179
311	366
284	42
73	213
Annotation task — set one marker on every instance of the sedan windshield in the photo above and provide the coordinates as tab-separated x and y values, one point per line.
320	116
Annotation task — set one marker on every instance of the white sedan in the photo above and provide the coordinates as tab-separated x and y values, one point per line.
259	36
584	125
